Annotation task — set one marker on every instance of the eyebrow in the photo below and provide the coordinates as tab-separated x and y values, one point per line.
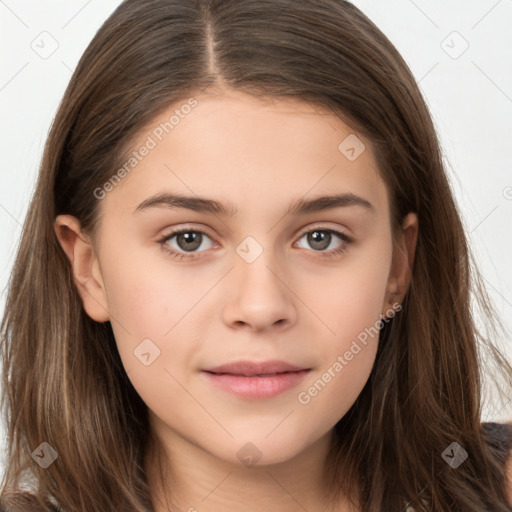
297	207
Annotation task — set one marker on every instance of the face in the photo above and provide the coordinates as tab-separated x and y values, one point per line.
250	266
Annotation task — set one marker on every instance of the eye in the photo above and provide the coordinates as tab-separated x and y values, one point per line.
186	241
321	238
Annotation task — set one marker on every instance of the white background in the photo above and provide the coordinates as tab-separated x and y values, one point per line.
470	98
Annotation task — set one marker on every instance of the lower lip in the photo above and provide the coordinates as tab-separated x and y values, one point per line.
257	388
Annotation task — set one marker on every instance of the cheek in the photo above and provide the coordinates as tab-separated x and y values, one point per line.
147	295
154	335
158	315
350	306
325	398
349	297
348	355
144	309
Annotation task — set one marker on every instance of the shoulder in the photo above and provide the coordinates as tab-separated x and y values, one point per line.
499	436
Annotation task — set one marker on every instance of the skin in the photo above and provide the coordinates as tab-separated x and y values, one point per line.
291	303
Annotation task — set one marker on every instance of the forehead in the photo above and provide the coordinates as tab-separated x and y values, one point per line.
254	153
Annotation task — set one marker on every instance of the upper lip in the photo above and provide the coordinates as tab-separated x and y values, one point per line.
251	368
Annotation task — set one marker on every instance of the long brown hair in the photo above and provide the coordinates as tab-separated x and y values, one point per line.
63	380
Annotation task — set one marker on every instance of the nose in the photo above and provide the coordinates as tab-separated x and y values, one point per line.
259	296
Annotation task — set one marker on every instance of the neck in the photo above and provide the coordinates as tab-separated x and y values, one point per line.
184	477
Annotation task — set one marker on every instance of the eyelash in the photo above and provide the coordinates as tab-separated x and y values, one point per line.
181	256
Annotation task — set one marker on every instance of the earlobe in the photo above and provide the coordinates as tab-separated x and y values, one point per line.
85	266
403	260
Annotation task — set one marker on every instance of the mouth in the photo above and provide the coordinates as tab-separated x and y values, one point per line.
256	381
254	368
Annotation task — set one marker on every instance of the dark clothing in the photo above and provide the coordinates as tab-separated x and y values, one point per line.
500	437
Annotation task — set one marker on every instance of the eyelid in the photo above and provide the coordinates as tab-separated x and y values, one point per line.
322	226
200	228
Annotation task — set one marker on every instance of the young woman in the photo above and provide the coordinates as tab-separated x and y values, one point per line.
243	282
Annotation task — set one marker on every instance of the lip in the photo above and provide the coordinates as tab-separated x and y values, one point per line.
256	380
252	368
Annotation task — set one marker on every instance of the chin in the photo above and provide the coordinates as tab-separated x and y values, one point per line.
261	452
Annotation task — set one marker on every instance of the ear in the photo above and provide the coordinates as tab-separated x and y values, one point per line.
404	248
85	266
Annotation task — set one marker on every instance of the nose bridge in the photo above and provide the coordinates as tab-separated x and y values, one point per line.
256	266
260	296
